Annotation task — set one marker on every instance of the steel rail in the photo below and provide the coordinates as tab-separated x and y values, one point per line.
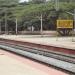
45	53
67	51
70	67
36	48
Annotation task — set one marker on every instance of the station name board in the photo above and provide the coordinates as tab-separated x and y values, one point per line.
64	23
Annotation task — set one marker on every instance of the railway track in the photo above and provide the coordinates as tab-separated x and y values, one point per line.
69	52
64	57
61	61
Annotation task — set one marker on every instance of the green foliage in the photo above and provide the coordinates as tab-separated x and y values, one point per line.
7	3
28	14
31	13
37	1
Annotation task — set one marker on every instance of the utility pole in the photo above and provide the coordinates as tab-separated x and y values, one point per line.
74	19
57	9
0	26
41	24
73	30
5	23
16	26
57	5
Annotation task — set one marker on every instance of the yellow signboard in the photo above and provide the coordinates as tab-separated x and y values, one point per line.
64	23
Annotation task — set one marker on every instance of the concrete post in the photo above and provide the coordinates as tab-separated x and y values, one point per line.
6	23
16	26
0	26
74	19
41	24
57	5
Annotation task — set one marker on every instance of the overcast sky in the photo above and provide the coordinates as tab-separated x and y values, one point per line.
28	0
23	0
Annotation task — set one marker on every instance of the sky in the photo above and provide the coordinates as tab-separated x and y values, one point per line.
23	0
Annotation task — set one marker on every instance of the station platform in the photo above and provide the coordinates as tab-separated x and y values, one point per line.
11	64
63	42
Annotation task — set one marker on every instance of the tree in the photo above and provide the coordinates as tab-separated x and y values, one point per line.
63	0
5	13
38	1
